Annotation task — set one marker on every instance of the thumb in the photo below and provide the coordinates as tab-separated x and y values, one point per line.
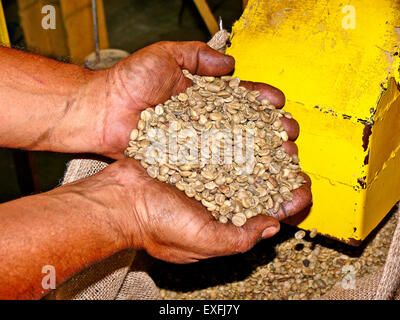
261	227
241	239
199	58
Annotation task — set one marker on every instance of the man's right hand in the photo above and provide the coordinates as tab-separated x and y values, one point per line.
161	219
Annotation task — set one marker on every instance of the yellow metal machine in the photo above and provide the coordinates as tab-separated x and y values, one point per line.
338	64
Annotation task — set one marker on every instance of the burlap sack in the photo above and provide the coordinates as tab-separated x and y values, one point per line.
117	278
123	277
382	285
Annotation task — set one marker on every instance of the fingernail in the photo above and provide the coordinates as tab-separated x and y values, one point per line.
269	232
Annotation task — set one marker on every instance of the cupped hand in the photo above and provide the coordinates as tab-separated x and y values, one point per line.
148	77
170	226
167	223
151	76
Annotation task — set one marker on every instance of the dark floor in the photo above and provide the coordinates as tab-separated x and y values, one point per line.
132	24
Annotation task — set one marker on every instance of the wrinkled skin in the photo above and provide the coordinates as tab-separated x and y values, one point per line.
175	228
172	226
151	75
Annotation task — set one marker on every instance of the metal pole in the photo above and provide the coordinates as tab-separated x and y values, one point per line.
96	30
220	24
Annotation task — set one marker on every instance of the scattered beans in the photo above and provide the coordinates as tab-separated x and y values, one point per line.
239	219
300	234
313	233
277	273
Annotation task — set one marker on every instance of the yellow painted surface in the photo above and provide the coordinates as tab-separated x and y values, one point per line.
4	40
386	137
384	170
333	78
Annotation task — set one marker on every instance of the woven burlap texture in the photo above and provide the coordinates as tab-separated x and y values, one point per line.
381	285
115	278
118	278
389	284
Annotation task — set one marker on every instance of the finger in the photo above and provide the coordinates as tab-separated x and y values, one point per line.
291	127
274	95
307	180
261	227
199	58
290	148
234	239
302	198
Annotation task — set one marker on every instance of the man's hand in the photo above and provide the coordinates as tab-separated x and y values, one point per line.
78	224
171	226
175	228
151	76
148	77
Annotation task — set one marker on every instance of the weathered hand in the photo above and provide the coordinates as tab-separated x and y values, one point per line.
169	225
149	77
175	228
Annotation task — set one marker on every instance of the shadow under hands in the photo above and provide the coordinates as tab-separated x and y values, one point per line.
223	270
215	271
347	249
